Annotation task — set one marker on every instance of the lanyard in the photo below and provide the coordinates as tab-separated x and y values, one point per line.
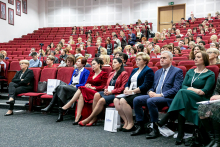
193	79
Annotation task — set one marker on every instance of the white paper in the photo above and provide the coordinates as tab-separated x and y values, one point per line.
110	88
208	102
51	85
166	132
186	135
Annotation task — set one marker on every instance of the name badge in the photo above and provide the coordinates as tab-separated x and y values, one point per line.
110	88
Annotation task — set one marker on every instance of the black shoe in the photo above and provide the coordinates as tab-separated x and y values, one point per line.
10	102
138	131
60	117
76	123
130	130
154	134
8	114
48	108
179	139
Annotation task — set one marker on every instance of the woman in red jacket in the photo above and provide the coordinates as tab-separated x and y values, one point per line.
115	85
95	82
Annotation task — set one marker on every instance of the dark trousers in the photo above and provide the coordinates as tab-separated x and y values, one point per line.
14	89
151	103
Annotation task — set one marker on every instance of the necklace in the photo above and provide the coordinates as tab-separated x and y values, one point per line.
193	79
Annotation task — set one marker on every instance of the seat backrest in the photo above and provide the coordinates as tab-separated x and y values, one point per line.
129	70
90	69
14	65
37	72
48	73
191	62
183	69
154	69
107	69
65	74
92	50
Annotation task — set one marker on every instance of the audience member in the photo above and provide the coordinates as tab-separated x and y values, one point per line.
195	50
132	39
80	41
202	43
52	45
35	62
133	51
213	56
124	58
95	83
180	45
78	53
69	62
71	41
109	46
98	44
105	59
140	81
194	89
22	82
52	53
4	53
117	41
214	45
31	51
151	47
1	61
124	40
191	45
176	50
178	38
140	48
64	92
155	40
156	49
167	82
186	41
50	61
214	38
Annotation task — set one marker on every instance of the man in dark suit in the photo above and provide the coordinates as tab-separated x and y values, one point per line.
132	39
167	82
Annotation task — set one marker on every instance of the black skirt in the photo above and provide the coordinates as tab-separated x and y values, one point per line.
130	99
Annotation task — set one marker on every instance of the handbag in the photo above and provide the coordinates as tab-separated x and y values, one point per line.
42	87
112	120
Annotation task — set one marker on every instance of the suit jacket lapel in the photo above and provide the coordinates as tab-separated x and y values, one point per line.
168	74
24	74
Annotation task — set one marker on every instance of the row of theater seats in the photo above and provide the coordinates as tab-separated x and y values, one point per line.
65	73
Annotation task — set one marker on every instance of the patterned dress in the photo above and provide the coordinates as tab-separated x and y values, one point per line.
211	110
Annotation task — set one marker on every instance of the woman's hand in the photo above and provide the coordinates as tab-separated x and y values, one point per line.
128	92
87	85
215	97
197	91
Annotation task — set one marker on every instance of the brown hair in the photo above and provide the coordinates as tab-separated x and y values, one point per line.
71	58
83	60
135	50
51	57
205	58
78	49
144	38
191	55
178	48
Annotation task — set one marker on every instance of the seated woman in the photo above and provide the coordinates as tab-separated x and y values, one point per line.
103	51
22	82
197	86
109	46
156	49
139	82
95	82
213	56
176	50
195	50
50	60
209	116
106	60
133	51
69	62
127	50
117	79
65	92
124	58
63	55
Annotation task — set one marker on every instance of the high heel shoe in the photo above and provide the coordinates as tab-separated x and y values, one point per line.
8	114
60	117
179	140
10	102
130	130
91	124
81	124
76	123
48	108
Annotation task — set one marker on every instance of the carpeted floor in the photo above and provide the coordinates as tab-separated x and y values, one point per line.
25	129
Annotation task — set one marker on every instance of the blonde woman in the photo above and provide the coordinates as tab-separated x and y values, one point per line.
127	49
109	27
116	51
214	38
162	37
156	49
209	17
105	59
213	56
191	45
189	32
43	52
120	48
71	41
95	27
157	35
80	41
99	38
3	52
139	33
103	51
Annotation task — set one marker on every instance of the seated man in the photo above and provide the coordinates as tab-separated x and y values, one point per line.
167	82
31	51
132	39
178	38
198	39
117	41
180	45
202	43
34	62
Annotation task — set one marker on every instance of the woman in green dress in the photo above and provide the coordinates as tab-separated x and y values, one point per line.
197	86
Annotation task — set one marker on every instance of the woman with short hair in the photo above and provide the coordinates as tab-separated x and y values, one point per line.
22	82
213	56
65	92
140	81
196	49
50	60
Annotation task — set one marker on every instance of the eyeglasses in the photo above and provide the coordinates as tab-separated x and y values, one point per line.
211	52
